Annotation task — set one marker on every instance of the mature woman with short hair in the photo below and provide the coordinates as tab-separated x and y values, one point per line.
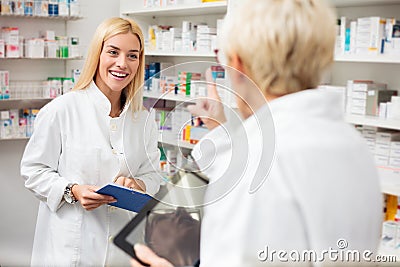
304	179
97	134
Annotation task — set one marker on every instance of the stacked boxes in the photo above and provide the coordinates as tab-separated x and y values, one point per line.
369	134
384	144
74	9
34	48
185	79
392	37
40	7
370	33
394	156
2	49
10	35
12	45
368	36
6	126
364	97
206	40
63	8
188	36
157	75
171	40
166	84
4	84
17	123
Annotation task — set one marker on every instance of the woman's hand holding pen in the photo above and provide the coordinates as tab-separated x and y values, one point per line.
131	183
89	199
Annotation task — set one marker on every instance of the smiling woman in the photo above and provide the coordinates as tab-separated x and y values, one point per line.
79	145
119	61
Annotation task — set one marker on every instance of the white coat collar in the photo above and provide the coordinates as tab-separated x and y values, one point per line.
100	100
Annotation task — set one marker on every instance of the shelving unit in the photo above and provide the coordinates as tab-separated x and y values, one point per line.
373	121
358	3
179	54
34	69
171	11
41	58
380	68
65	18
14	139
22	103
168	139
31	27
395	59
174	15
168	96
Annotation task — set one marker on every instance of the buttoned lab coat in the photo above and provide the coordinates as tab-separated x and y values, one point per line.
76	141
322	185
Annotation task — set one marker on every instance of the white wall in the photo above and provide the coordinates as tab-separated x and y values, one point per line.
18	207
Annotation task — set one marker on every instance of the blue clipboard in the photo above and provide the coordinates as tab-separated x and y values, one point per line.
127	198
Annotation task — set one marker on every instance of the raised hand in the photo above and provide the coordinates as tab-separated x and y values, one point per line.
210	110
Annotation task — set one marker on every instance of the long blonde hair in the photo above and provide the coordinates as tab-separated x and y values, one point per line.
107	29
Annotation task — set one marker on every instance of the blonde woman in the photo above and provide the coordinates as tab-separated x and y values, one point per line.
94	135
313	194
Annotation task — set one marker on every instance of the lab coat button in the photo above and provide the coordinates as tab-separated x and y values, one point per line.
114	151
113	127
110	239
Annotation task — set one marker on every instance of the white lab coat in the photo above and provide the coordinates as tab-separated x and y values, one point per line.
75	140
322	185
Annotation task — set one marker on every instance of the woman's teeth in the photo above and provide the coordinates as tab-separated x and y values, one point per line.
119	75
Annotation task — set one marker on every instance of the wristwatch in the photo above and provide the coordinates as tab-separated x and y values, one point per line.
68	196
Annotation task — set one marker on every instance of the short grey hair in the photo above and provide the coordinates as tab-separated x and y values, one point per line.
286	45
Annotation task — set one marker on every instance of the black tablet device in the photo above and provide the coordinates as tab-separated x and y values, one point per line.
169	223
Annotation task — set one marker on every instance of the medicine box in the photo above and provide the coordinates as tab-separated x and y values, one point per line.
394	162
394	153
381	160
386	137
395	145
2	48
382	150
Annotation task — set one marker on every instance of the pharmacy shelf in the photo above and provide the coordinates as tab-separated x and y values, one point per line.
180	54
15	139
42	17
381	58
373	121
168	96
351	3
24	103
168	139
40	58
390	180
182	10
